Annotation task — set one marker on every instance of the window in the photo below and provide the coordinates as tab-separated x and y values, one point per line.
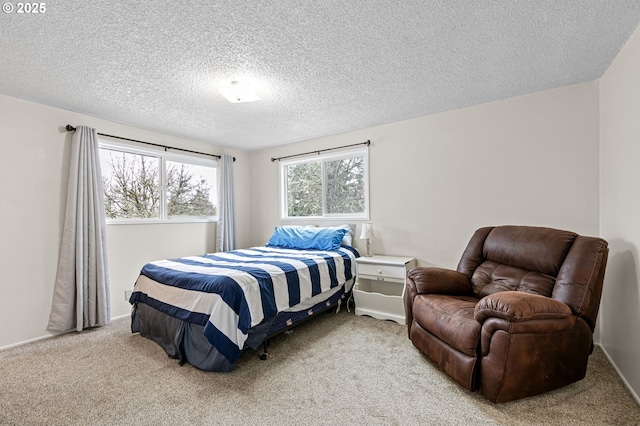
149	185
332	185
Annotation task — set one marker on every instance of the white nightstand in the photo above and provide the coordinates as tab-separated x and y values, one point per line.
380	286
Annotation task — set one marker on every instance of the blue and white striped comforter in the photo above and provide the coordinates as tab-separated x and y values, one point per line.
233	291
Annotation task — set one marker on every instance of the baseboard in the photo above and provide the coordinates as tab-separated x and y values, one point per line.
121	316
24	342
634	394
48	336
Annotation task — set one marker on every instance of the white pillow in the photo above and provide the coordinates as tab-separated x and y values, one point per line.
347	240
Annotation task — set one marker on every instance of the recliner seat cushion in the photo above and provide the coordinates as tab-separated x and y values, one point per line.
492	277
450	319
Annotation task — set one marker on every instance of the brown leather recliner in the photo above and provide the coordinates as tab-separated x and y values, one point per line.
516	319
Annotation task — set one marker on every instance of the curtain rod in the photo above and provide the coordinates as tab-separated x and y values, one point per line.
367	143
70	128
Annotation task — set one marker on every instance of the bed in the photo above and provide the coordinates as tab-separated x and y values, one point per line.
207	310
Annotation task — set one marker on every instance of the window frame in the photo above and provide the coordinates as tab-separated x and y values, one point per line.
163	157
324	158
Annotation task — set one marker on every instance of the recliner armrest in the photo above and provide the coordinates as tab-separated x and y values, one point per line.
438	281
517	306
516	312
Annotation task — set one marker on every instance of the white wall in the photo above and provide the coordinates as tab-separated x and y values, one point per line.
131	246
434	180
34	164
620	211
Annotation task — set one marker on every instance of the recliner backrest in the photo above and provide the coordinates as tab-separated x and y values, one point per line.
579	282
545	261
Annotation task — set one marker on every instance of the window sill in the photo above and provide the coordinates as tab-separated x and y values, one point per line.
330	219
157	221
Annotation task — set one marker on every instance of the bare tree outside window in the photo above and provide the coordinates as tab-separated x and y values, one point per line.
133	190
131	185
189	190
345	185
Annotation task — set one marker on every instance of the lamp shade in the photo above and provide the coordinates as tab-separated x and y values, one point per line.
367	231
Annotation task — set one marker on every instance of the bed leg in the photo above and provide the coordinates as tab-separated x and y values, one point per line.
264	354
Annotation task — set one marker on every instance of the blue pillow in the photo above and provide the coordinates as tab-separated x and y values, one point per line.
306	237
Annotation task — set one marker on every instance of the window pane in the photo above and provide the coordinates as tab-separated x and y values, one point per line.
191	190
304	189
345	185
131	185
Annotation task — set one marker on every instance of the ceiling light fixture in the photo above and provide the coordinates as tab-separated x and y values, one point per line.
237	91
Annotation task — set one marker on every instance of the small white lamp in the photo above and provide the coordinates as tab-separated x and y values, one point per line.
367	234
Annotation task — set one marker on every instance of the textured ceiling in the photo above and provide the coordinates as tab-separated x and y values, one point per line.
321	67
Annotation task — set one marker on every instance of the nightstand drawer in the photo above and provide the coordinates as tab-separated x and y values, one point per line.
381	272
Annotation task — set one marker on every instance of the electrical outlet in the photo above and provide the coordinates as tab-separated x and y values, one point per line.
127	294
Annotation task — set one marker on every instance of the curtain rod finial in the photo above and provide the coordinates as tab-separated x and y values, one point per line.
69	128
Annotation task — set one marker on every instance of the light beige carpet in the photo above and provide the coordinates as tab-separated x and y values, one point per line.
336	369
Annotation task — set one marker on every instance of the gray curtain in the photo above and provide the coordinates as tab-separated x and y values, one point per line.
226	232
81	294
